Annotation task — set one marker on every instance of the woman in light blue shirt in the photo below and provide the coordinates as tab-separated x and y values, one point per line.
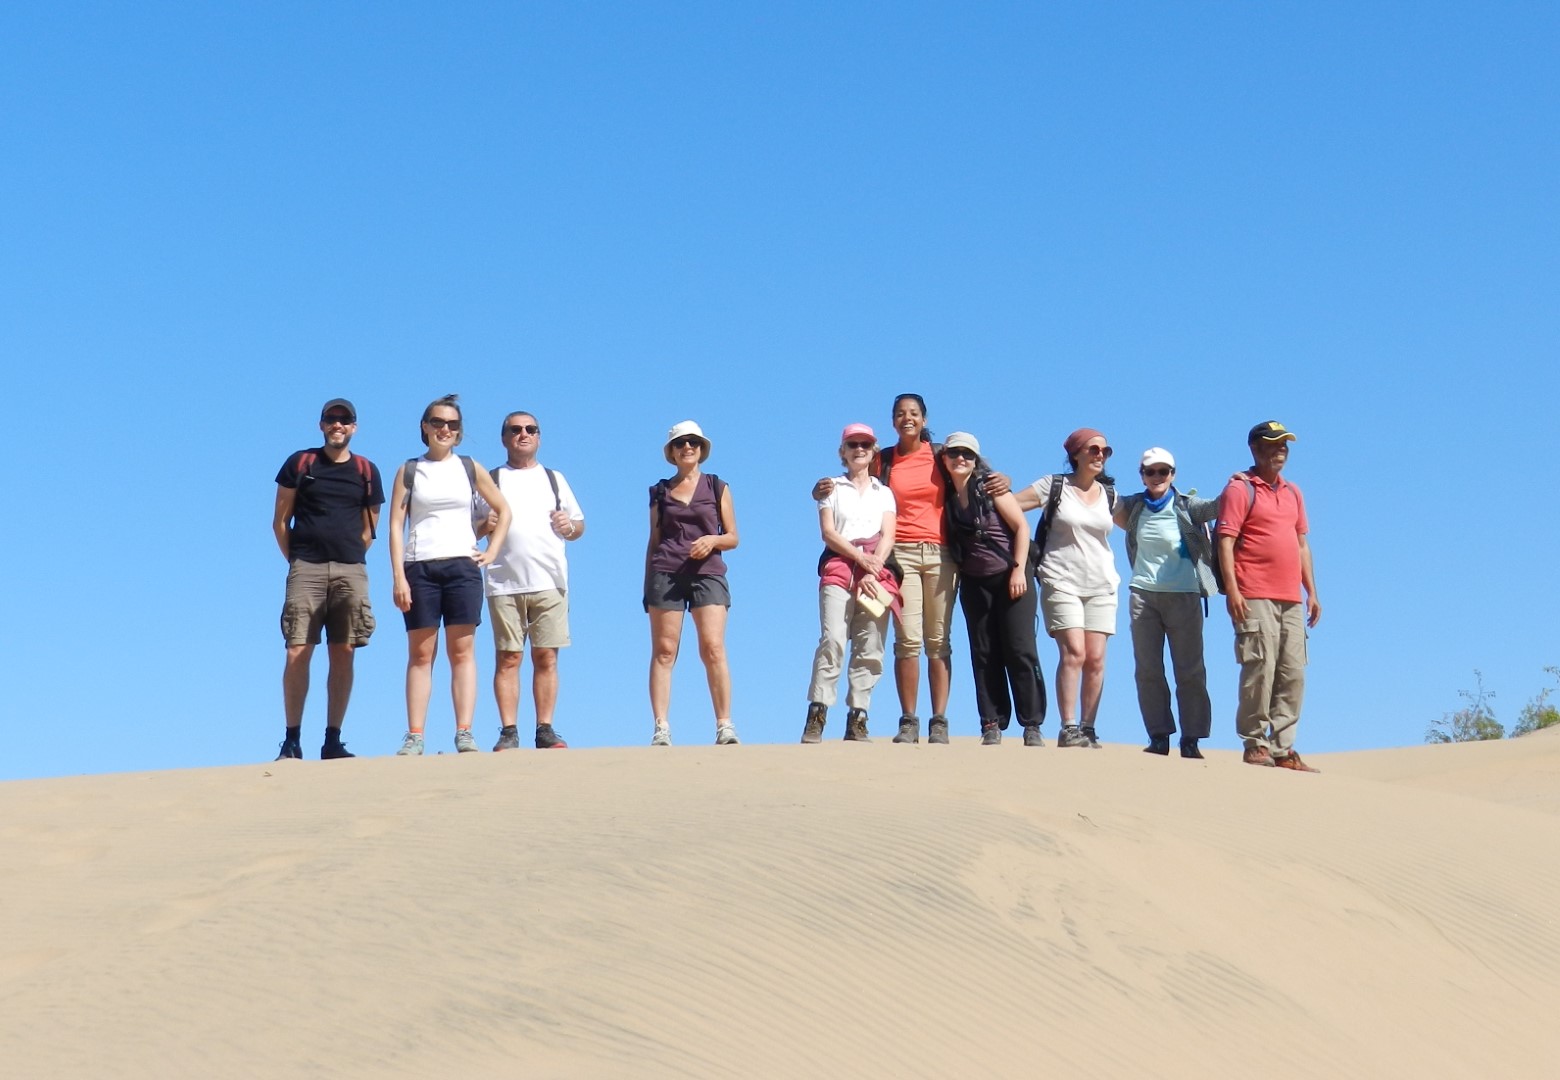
1172	560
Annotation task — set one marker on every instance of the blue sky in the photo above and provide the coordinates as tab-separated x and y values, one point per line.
1168	221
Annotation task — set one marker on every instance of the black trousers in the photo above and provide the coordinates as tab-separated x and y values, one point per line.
1003	651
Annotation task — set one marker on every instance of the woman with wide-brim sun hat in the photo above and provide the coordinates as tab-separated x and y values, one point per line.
438	568
1078	577
692	523
856	587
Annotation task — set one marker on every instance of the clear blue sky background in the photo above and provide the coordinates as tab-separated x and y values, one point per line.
1169	221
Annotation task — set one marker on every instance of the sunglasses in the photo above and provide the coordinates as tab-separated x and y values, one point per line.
687	441
1156	474
1100	451
438	422
338	418
524	429
856	444
961	453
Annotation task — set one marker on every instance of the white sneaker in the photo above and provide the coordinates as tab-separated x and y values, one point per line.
662	736
464	743
411	746
725	735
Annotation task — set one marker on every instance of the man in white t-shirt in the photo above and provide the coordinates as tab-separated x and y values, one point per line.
528	584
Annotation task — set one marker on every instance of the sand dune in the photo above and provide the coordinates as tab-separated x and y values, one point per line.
786	911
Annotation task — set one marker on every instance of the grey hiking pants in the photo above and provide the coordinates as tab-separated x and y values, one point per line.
1158	617
841	619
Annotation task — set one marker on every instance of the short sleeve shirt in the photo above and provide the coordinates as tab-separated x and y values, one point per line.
918	494
858	515
532	559
1267	521
327	517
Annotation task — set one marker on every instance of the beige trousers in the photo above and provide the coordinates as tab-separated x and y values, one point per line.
1270	648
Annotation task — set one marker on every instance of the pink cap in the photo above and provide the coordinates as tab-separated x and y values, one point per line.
856	431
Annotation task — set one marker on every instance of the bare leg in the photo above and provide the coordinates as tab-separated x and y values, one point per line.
506	686
938	673
710	622
1069	667
462	644
544	683
665	636
1093	674
422	648
295	683
907	680
338	685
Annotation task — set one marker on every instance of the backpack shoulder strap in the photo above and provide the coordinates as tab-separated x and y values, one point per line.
886	463
471	473
409	477
306	464
493	473
552	479
1110	497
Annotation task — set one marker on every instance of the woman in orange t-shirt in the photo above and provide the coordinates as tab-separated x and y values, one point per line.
910	470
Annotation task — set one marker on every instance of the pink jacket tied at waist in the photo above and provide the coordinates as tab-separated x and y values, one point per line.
838	570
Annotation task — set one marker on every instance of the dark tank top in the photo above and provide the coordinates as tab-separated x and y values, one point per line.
682	525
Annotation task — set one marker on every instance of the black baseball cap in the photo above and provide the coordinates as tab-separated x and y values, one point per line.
338	403
1270	431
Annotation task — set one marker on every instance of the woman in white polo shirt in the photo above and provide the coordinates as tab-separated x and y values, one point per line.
856	587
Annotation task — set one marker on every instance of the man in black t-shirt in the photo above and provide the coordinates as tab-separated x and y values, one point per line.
327	509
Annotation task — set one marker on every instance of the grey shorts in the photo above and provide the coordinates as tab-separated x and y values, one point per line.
542	617
328	595
680	592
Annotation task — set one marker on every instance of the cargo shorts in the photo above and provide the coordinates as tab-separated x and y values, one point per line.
332	595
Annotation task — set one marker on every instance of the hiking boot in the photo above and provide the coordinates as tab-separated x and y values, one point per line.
411	746
1158	744
334	750
1189	749
817	716
1292	761
725	735
1032	736
508	738
548	739
662	736
937	730
909	729
856	726
1258	755
291	749
1072	735
1088	733
464	743
990	733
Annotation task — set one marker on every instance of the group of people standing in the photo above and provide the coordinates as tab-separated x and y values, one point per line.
906	528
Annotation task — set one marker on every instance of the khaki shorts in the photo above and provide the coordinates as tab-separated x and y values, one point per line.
332	595
542	617
1064	611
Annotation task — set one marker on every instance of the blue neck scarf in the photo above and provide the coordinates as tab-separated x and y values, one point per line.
1156	505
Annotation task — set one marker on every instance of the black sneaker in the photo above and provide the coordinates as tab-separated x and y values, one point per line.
856	726
817	717
1088	733
1189	749
508	738
991	733
547	738
331	751
1158	744
909	729
1032	736
937	730
291	750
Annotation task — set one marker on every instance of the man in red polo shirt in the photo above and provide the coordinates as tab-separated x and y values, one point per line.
1266	561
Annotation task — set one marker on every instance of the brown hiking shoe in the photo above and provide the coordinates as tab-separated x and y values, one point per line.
909	729
937	730
1258	755
817	716
856	726
1292	760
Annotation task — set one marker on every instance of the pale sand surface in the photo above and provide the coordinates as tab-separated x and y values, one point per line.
787	911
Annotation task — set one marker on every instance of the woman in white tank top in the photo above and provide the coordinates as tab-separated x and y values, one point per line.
438	568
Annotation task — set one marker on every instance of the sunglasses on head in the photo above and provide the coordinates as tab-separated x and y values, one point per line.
524	429
1157	473
960	452
437	422
687	441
